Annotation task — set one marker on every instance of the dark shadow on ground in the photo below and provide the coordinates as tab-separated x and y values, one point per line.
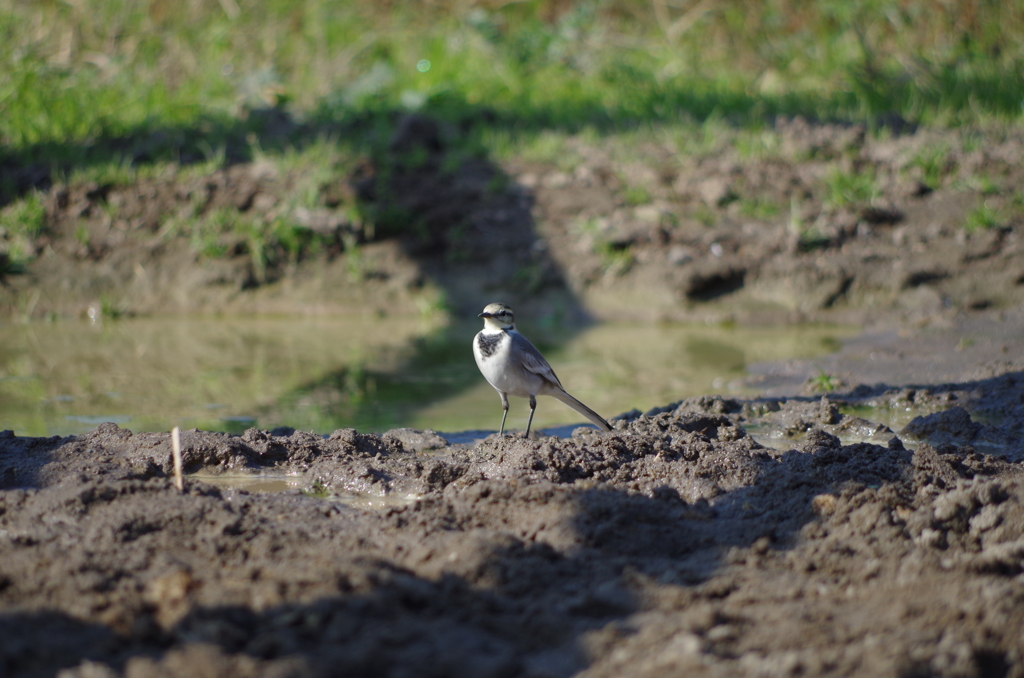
22	459
873	94
271	130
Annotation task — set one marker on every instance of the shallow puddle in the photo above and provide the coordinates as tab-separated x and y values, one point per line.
251	482
775	438
221	374
861	424
262	482
321	374
893	417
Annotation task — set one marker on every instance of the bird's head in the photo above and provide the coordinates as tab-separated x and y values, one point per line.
498	317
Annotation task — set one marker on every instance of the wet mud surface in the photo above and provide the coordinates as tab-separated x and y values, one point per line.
781	535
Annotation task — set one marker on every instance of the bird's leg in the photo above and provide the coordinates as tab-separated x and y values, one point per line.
504	407
533	406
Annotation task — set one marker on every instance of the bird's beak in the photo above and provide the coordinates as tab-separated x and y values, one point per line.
485	314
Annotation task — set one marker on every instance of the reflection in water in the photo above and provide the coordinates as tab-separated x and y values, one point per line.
212	373
321	374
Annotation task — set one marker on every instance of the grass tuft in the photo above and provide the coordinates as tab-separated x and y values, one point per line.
20	223
983	218
823	382
850	188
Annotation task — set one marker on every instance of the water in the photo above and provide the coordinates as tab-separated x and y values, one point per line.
321	374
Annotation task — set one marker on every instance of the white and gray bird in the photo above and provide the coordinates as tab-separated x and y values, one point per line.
514	366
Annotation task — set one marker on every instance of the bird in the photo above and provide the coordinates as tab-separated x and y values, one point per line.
514	366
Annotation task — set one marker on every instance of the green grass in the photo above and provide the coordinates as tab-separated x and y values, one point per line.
823	382
317	490
759	208
543	147
934	165
20	223
757	144
634	196
985	185
615	259
109	309
270	245
850	188
809	238
705	215
119	70
983	218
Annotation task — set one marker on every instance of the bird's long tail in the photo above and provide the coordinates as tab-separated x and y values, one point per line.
582	409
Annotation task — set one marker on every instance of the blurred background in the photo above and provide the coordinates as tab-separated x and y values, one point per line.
77	70
228	213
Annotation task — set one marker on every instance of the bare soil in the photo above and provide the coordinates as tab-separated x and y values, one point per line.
781	535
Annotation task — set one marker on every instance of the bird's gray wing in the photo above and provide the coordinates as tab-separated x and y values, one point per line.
532	360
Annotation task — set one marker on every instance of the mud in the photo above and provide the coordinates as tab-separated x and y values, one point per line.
796	533
677	543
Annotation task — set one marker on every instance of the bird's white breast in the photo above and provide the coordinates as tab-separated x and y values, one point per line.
491	366
499	371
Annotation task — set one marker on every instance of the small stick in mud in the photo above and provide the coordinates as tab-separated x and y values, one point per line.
176	452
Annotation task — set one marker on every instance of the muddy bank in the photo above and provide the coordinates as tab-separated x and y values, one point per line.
763	536
808	220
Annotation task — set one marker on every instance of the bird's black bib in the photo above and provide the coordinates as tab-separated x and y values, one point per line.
488	343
